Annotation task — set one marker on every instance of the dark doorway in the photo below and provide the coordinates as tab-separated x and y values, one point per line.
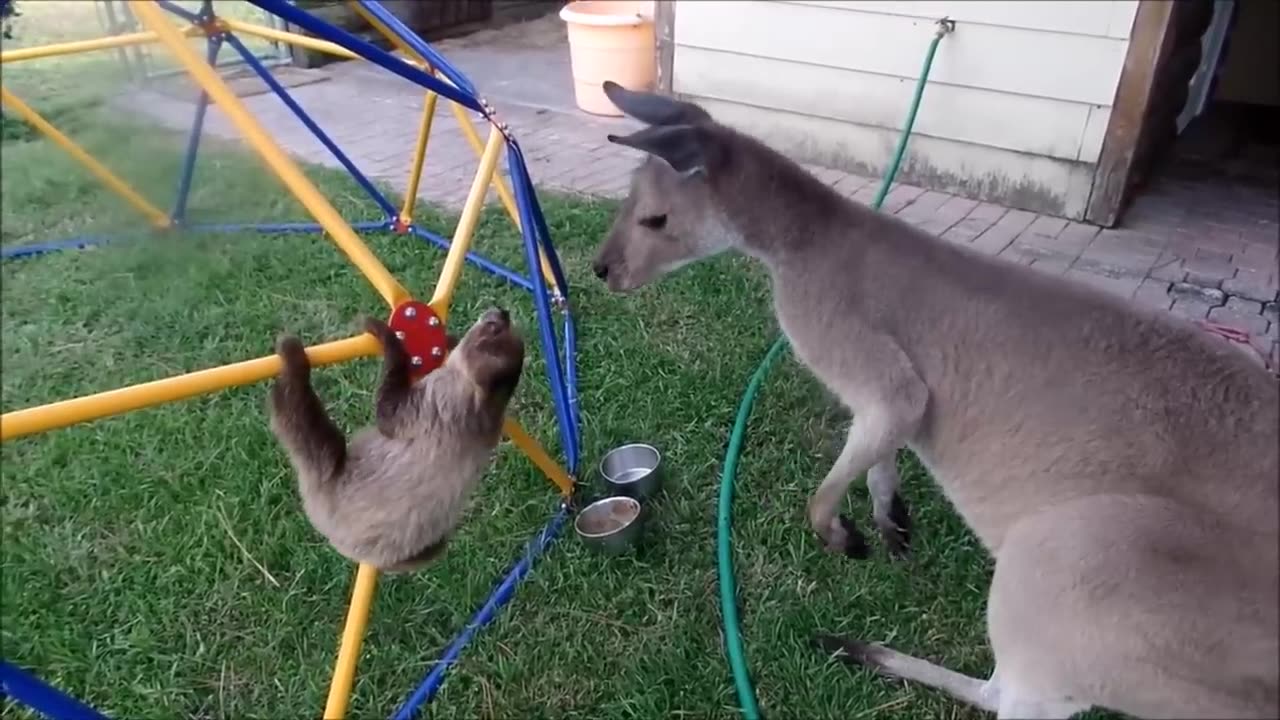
1213	121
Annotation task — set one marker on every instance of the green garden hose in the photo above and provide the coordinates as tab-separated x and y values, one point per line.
724	555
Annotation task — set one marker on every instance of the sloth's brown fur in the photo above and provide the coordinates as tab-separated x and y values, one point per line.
394	495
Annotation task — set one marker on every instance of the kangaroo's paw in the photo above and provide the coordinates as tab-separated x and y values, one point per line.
843	537
895	527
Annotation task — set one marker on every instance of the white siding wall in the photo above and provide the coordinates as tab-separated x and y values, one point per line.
1015	110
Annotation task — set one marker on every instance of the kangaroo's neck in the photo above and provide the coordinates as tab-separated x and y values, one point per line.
781	213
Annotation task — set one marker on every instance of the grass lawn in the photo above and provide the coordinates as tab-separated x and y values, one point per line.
124	578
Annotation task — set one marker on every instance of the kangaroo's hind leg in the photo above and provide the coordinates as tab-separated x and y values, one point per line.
1140	605
888	510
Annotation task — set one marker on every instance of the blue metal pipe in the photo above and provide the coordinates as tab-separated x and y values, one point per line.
311	125
15	252
368	51
180	11
521	179
193	140
571	368
555	372
479	260
557	272
42	697
487	612
544	234
419	45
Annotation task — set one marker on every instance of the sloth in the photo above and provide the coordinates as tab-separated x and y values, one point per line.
394	495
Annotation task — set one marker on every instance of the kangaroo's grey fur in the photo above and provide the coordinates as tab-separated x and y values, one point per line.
394	496
1120	465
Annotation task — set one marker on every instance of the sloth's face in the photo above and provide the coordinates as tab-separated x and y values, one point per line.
492	352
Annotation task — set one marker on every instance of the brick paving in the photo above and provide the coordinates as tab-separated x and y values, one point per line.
1202	249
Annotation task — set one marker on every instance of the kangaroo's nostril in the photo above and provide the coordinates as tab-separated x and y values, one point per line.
601	270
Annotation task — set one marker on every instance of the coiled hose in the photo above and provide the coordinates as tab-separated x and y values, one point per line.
724	556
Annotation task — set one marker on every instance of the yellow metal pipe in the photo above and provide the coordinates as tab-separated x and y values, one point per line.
310	43
385	31
344	670
530	447
157	392
100	171
284	167
83	46
500	185
419	156
466	227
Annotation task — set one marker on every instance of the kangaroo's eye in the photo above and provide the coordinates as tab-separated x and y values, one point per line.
654	222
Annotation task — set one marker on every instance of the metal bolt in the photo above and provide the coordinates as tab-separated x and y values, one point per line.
399	334
410	312
415	360
436	351
433	321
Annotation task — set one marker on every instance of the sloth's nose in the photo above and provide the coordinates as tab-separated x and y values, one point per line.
601	270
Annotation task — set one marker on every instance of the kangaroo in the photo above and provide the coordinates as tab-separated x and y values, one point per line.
393	496
1120	465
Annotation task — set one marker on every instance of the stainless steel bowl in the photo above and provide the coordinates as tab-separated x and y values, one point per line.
634	470
611	525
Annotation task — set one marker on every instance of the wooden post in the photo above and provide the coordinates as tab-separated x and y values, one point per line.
1128	112
664	33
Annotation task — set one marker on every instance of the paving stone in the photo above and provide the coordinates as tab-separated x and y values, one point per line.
1049	261
1154	293
1243	306
987	212
1252	284
1047	226
1250	323
1208	269
975	223
1124	286
827	175
923	206
1220	257
952	211
1020	254
1191	308
1075	237
1221	240
1105	269
850	184
1211	297
1126	252
899	196
1168	267
1271	311
1053	265
866	194
999	235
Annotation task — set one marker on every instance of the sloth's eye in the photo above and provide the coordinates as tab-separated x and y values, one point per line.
654	222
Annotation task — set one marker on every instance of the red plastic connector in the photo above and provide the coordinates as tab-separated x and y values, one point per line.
422	333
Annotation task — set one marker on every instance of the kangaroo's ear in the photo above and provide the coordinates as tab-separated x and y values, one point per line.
652	108
688	149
